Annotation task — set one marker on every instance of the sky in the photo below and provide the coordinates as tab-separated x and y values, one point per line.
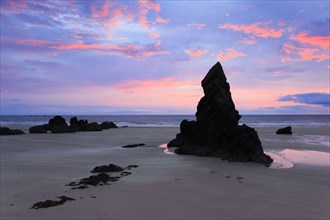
149	57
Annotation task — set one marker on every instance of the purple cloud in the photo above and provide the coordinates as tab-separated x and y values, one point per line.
322	99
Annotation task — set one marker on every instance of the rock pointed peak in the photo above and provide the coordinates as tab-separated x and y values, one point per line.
216	72
216	131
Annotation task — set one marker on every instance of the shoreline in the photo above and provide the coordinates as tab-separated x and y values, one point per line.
36	167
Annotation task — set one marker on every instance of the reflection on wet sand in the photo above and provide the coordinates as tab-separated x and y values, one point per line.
288	157
166	150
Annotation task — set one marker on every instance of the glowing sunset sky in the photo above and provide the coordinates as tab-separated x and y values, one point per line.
148	57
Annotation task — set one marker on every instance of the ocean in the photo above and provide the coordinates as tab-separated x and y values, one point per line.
171	120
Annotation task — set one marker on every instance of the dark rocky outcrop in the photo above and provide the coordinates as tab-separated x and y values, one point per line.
286	130
59	125
83	125
57	121
216	131
107	168
78	125
94	126
39	129
108	125
8	131
74	121
51	203
46	126
62	129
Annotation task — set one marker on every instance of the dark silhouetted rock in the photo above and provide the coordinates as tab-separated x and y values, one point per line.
51	203
58	125
133	145
82	122
57	121
46	126
107	168
39	129
286	130
108	125
176	142
8	131
62	129
93	127
74	121
216	131
83	125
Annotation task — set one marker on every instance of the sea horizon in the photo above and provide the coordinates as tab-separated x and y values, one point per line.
169	120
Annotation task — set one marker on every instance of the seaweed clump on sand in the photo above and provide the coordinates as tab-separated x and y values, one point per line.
51	203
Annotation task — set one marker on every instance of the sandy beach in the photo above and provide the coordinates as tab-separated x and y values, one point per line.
37	167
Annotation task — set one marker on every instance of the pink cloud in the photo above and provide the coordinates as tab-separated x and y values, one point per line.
164	86
130	50
162	20
103	12
112	22
162	92
292	52
258	29
95	46
229	53
320	41
112	12
196	52
200	26
154	34
144	8
248	41
151	50
14	7
150	5
146	85
35	42
305	47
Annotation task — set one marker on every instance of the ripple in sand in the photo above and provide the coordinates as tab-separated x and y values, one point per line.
313	139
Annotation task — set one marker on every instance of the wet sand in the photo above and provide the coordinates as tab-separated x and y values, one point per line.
37	167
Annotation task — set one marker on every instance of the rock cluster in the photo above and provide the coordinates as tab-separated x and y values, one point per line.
59	125
216	132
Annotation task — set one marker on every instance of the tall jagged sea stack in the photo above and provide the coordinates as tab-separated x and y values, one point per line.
216	131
